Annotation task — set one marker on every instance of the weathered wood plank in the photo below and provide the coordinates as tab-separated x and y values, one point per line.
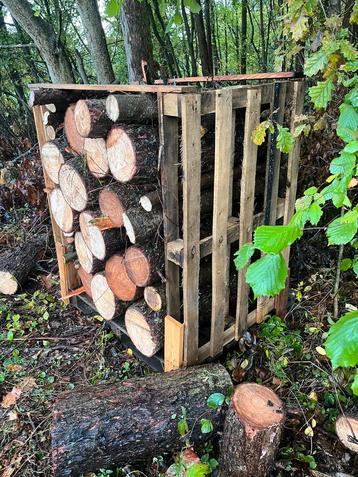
173	343
112	88
239	77
222	188
247	198
191	162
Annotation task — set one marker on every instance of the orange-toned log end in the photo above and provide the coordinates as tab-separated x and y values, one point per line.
111	206
75	140
95	152
252	431
347	431
118	280
137	266
86	279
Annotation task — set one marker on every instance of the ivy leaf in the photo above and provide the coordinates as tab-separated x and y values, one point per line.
321	93
193	6
285	140
267	276
113	8
348	117
343	229
342	341
274	238
243	255
198	470
344	164
314	213
354	386
315	63
346	264
206	426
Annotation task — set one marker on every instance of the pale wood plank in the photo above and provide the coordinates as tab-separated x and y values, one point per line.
222	199
112	88
191	162
238	77
173	343
247	198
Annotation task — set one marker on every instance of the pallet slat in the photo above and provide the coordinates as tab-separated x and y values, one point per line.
173	343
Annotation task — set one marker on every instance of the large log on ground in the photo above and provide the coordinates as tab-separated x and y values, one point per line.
78	186
95	153
86	280
53	155
74	138
145	327
116	198
62	213
16	264
88	261
252	432
145	264
155	297
141	226
133	153
119	281
347	431
91	118
102	243
103	298
133	108
112	425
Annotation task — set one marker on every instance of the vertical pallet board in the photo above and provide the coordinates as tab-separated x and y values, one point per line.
191	162
67	272
173	343
169	164
222	199
247	197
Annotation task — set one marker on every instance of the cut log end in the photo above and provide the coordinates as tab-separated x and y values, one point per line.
118	279
92	235
153	298
145	328
111	206
347	431
112	108
86	280
129	228
103	297
8	283
73	187
61	211
137	266
75	140
95	153
82	118
85	256
146	203
121	155
52	160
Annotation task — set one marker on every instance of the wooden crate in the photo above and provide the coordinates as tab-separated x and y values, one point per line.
180	109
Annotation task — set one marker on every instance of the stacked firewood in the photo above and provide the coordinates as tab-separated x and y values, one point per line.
106	200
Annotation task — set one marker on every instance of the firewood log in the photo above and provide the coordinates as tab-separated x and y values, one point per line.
133	108
75	140
53	155
155	296
58	97
64	216
95	153
252	432
88	261
141	227
50	132
16	264
52	118
119	281
103	298
91	118
86	280
145	264
104	426
347	431
133	153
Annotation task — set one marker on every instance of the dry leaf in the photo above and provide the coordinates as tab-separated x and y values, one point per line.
309	431
313	396
10	398
14	368
321	350
13	466
27	383
12	416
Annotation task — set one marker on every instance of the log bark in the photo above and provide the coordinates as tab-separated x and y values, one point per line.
95	153
63	214
142	227
347	431
16	264
119	281
59	97
86	280
103	298
145	264
107	425
155	297
133	108
75	140
102	243
52	118
78	186
145	328
89	263
53	155
252	432
133	153
91	118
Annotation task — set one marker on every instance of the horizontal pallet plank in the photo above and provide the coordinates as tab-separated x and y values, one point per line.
239	77
112	88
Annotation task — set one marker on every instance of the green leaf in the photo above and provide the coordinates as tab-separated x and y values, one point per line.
315	63
299	130
355	265
352	97
113	8
341	231
354	386
267	276
215	400
285	140
321	94
347	134
177	18
299	28
206	426
348	50
348	117
346	264
344	164
342	341
243	255
310	191
183	427
314	213
351	147
274	238
193	5
198	470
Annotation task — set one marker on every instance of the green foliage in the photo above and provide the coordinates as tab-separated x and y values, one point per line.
275	238
206	426
259	133
198	470
267	276
215	400
343	229
113	8
342	341
243	255
321	94
285	139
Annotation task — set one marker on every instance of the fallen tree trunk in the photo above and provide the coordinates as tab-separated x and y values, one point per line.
145	265
134	108
103	298
62	213
155	297
88	261
16	264
347	431
119	281
95	153
91	118
103	426
74	138
133	153
252	432
145	328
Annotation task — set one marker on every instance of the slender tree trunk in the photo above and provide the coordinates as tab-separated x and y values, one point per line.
91	20
243	36
207	7
137	41
45	38
262	36
206	63
189	37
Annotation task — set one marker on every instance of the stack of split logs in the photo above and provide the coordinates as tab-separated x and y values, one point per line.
106	200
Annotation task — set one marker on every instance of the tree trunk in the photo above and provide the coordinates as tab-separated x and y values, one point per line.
86	280
119	281
137	41
104	426
75	140
91	118
141	226
62	213
155	297
16	264
96	40
145	328
95	153
206	61
347	431
145	265
133	153
135	108
244	7
104	300
46	40
252	432
89	263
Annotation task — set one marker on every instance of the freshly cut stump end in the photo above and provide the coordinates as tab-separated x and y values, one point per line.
103	297
88	261
144	264
347	431
95	152
91	118
8	283
111	206
61	211
119	281
155	297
